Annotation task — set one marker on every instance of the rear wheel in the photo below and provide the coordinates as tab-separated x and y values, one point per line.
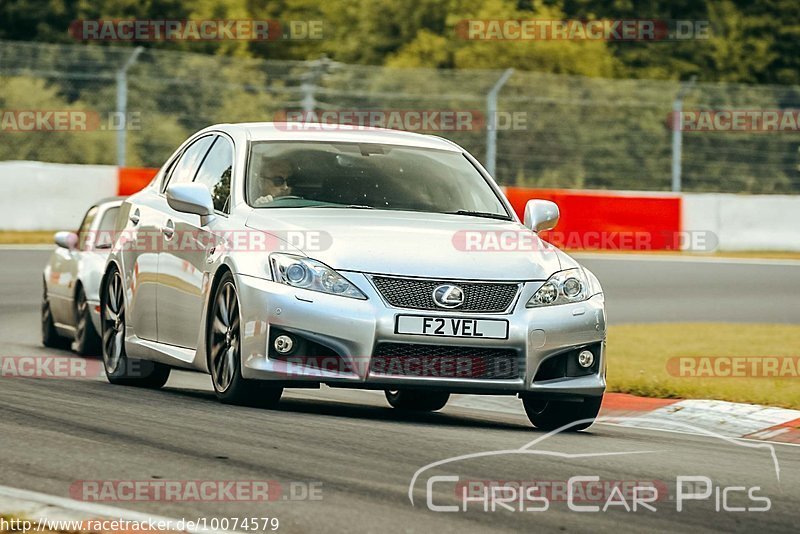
224	343
551	414
119	368
50	336
417	400
87	342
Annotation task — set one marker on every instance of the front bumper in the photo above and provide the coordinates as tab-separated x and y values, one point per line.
353	328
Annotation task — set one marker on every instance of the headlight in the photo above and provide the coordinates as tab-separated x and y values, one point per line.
310	274
564	287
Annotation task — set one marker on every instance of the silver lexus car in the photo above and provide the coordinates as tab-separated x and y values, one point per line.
274	255
71	296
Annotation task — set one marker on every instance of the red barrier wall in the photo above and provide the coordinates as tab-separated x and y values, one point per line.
132	179
608	220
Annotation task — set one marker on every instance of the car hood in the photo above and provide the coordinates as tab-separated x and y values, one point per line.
410	243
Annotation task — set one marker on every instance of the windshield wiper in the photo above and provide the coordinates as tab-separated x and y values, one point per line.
351	206
484	214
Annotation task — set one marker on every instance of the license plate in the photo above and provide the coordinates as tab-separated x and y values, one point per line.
451	327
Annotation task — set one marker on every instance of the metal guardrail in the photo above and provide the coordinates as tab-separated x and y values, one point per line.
549	130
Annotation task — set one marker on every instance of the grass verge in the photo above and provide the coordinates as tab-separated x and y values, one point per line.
643	360
44	237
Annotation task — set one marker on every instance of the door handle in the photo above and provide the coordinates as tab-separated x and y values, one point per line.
168	229
134	218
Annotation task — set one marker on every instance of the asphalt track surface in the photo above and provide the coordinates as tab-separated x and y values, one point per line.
55	433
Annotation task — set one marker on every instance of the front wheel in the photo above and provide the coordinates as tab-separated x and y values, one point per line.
224	344
119	368
416	400
551	414
87	342
50	336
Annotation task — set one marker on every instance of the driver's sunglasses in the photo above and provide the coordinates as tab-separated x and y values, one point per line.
277	181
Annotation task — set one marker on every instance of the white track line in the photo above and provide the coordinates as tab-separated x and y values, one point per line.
673	431
506	408
95	510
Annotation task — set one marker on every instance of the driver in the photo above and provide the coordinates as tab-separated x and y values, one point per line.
272	180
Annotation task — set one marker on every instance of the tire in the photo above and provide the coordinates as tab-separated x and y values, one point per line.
550	414
87	342
417	400
50	336
223	343
119	368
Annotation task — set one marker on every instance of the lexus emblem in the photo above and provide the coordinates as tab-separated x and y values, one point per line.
448	296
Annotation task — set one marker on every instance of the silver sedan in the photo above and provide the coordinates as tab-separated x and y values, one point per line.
274	255
71	281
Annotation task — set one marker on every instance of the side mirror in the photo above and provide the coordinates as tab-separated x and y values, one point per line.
191	198
67	240
541	215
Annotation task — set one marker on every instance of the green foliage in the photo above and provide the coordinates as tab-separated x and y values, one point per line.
752	41
450	49
587	127
22	94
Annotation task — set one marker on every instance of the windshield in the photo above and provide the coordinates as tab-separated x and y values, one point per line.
311	174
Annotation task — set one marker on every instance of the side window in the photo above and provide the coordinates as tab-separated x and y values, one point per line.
186	167
83	233
105	231
215	173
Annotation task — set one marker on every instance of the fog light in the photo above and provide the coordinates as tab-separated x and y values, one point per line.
284	344
585	358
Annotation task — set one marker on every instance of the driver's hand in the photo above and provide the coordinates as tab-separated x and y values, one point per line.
266	199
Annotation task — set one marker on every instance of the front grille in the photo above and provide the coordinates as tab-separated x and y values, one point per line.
407	359
417	294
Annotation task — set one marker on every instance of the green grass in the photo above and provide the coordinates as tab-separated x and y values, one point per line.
44	237
638	356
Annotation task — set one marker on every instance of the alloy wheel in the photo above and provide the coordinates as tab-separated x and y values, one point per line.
82	312
113	323
224	346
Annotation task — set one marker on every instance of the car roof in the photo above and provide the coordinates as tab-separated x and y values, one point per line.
336	133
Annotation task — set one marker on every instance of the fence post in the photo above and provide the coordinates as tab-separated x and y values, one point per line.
308	87
677	134
318	67
491	122
122	104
